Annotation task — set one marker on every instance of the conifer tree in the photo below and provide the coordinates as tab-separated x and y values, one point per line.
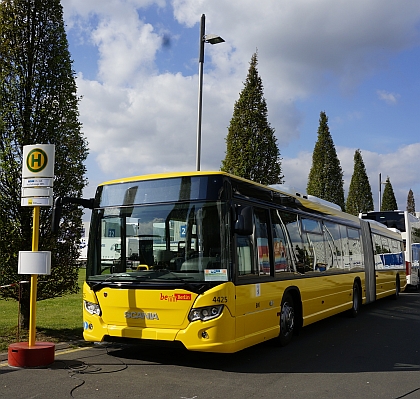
251	146
389	203
326	176
360	197
411	205
38	105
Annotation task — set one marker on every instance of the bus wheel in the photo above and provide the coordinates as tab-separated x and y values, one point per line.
397	288
287	320
357	300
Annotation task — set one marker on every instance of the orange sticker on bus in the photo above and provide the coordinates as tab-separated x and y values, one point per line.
175	297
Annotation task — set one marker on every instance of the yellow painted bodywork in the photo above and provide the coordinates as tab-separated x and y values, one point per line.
386	280
171	324
251	312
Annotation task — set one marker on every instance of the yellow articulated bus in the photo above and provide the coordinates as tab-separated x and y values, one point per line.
219	263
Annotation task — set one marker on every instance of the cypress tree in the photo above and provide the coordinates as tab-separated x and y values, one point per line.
38	105
251	146
389	203
411	205
360	197
326	176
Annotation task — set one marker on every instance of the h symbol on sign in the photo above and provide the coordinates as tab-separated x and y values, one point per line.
36	159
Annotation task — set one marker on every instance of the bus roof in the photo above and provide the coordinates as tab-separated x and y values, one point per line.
166	175
307	201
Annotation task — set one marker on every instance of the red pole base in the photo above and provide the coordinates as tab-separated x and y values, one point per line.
20	354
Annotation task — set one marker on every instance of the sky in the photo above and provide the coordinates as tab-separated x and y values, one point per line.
136	66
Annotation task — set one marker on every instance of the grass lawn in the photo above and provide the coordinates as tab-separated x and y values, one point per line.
57	320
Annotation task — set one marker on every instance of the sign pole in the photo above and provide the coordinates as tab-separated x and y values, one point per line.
34	279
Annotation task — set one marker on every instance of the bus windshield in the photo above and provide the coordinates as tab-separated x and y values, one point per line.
390	219
163	242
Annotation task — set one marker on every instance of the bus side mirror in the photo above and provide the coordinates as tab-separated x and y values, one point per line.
56	214
244	224
58	207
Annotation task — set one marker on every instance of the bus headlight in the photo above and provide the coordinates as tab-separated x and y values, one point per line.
92	308
206	313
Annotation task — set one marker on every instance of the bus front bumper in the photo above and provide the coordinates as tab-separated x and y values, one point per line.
216	335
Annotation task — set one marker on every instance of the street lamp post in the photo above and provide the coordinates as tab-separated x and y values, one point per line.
212	39
380	190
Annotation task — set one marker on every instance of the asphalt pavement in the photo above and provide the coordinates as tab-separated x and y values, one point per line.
375	355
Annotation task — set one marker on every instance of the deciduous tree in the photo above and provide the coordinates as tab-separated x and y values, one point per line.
38	105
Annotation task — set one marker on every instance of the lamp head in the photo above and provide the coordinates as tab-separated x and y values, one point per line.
213	39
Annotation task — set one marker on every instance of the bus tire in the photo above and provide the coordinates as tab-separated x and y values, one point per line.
287	320
357	300
397	288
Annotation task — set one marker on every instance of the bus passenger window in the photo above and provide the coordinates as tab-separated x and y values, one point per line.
355	249
244	255
345	247
377	250
397	254
386	251
261	233
333	245
282	259
314	245
291	222
253	256
385	245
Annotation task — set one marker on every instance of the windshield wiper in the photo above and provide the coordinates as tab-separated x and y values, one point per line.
159	275
99	283
109	279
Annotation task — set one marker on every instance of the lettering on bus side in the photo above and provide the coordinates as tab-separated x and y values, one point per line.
175	297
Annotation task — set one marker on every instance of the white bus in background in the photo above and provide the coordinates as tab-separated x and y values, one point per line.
409	226
83	247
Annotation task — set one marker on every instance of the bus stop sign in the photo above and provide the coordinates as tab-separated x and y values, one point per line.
38	161
37	174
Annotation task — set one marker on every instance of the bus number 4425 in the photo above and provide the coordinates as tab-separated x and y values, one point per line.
220	299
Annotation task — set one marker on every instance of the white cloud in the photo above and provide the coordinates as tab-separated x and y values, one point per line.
296	170
389	98
125	49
